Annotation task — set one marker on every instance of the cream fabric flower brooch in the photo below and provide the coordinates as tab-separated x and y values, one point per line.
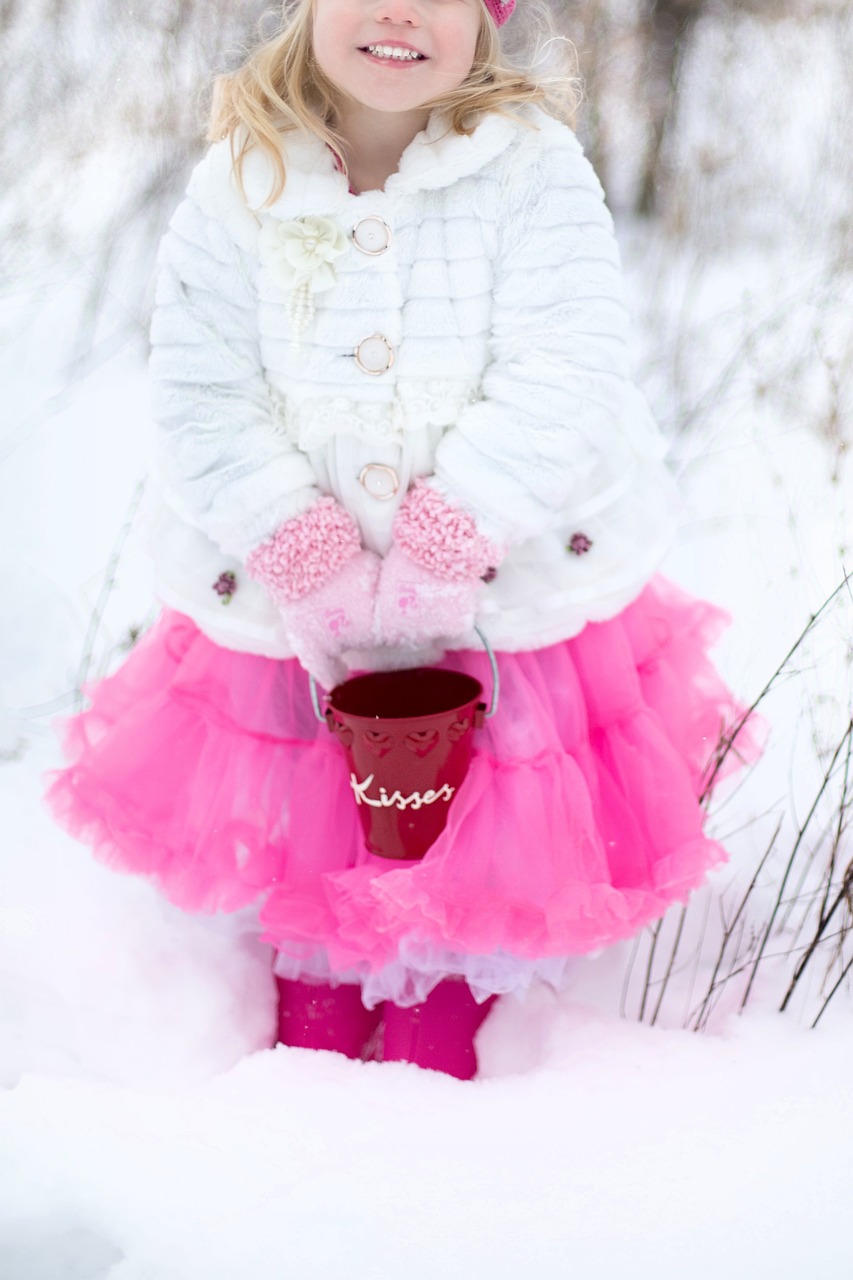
300	256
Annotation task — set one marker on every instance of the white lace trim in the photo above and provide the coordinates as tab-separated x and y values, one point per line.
410	979
311	424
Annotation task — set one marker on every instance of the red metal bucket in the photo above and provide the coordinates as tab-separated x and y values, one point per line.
407	737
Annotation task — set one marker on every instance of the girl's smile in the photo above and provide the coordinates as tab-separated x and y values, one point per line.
396	55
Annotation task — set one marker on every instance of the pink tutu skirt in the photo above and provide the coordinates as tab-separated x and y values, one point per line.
578	822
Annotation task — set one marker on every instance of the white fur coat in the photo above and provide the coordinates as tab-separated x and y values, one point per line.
500	297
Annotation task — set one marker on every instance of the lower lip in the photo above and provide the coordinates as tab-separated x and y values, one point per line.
396	63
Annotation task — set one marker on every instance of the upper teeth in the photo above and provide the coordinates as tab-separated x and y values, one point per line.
391	51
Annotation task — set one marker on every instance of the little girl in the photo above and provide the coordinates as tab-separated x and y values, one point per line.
391	383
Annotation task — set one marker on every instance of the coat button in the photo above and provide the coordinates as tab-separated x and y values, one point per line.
372	236
374	355
380	481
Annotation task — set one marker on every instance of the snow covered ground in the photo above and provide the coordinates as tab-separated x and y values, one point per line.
626	1152
148	1133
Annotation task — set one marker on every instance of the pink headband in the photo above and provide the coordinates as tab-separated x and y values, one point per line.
500	10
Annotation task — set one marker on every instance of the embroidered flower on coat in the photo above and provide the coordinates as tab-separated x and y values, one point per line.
300	254
579	544
225	586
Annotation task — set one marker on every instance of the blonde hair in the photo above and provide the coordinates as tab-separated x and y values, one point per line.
281	88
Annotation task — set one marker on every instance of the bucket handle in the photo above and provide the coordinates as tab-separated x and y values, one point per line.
496	683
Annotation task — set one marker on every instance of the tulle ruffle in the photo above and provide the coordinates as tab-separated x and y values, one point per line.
577	824
183	767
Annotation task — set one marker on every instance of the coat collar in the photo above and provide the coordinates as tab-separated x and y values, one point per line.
436	158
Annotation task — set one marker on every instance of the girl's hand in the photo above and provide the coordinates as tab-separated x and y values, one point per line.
434	573
415	606
333	618
323	583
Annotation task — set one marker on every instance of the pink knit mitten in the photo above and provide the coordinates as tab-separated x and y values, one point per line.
333	618
415	606
433	574
323	583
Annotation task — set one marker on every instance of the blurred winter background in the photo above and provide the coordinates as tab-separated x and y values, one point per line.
146	1133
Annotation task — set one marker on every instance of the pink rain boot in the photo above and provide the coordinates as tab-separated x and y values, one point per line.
438	1034
318	1016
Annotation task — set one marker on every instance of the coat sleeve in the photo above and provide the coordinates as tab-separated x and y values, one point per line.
223	456
559	424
